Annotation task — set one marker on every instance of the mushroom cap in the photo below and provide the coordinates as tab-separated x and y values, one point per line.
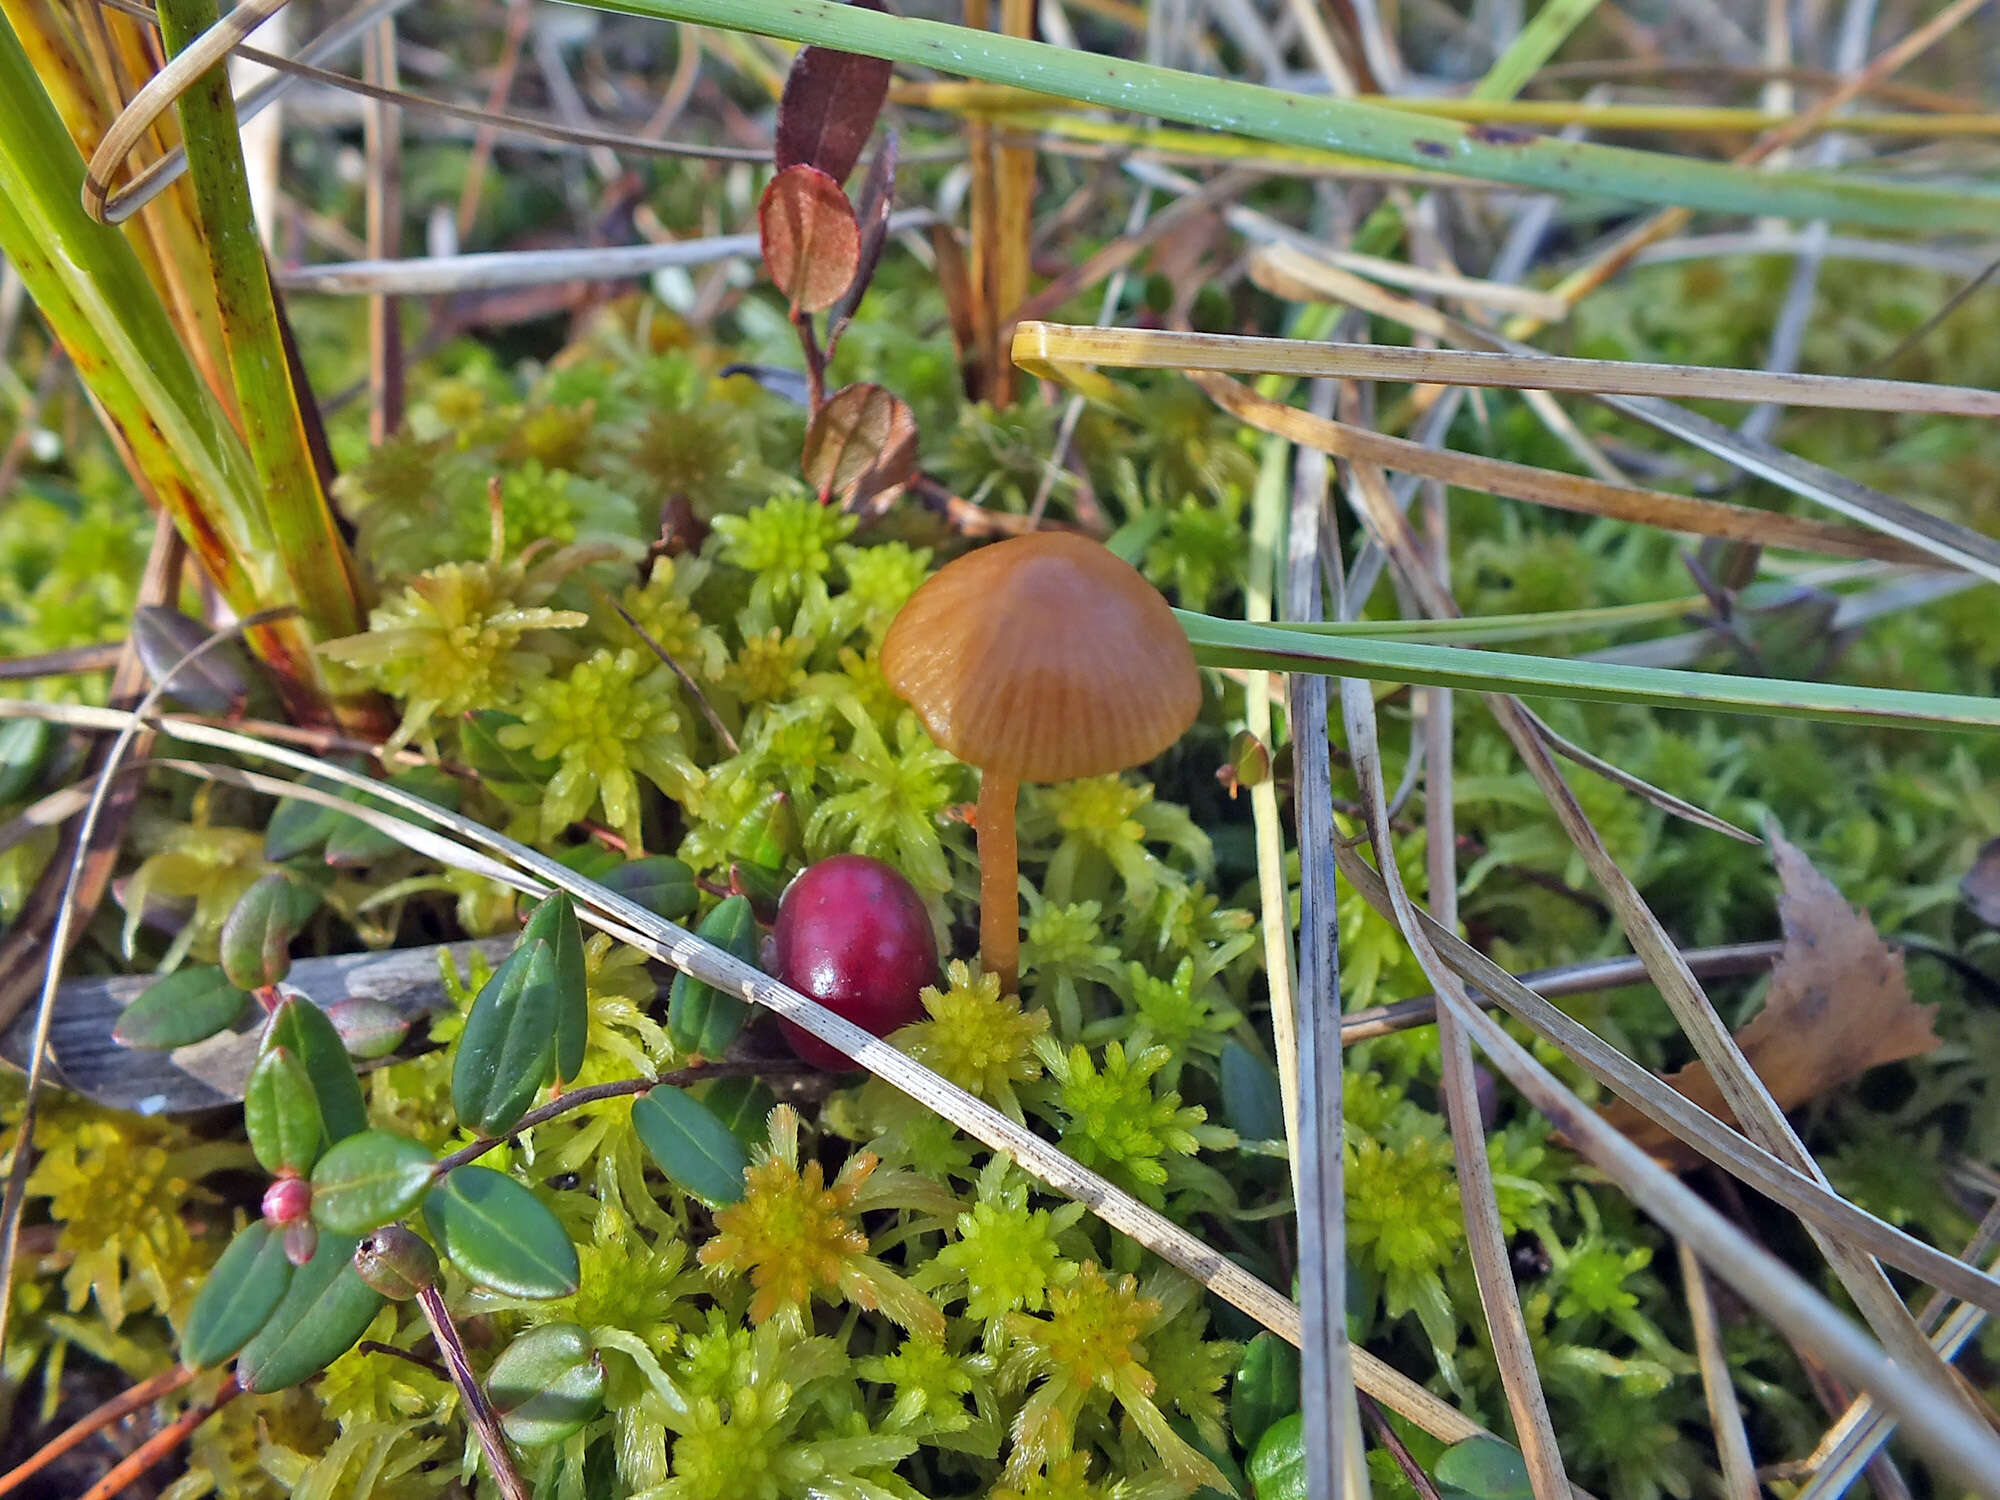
1045	657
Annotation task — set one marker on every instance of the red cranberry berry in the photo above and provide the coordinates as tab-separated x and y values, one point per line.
853	934
288	1200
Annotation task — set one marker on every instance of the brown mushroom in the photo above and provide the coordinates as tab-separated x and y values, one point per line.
1041	658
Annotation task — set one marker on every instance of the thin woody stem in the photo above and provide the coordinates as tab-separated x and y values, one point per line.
577	1098
478	1410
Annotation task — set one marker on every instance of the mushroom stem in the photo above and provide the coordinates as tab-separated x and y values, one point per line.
999	879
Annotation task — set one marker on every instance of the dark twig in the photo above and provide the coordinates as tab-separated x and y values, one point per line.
428	1366
597	1092
62	663
478	1410
1396	1448
687	680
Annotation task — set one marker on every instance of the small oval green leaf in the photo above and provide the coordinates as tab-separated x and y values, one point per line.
240	1294
547	1384
701	1020
368	1028
508	1048
303	1029
554	923
501	1235
693	1147
1484	1468
1266	1388
659	882
1278	1466
24	746
281	1114
323	1312
186	1007
257	934
369	1179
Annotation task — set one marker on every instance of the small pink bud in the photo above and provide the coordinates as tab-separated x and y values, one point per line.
288	1200
301	1240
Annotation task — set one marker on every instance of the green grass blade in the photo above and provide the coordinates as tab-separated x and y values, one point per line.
310	548
1534	45
1486	630
1339	124
1237	643
88	283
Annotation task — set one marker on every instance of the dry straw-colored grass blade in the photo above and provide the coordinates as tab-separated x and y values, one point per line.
1551	488
1284	263
1040	345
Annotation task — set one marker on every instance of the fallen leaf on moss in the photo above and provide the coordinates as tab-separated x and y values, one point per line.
1839	1004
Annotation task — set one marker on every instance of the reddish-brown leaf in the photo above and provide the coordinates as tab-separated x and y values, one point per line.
1839	1005
829	107
810	239
878	189
863	441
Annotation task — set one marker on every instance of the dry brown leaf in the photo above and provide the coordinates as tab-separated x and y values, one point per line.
1839	1004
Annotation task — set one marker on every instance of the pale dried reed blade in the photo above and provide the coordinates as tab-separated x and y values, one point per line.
1583	978
1745	1093
1725	1417
1955	545
1041	344
1810	1199
1546	487
1485	1240
158	96
1851	1443
1326	1355
445	275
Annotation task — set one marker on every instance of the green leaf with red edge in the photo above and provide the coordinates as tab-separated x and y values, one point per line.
303	1029
554	923
241	1293
863	441
256	939
324	1310
811	241
281	1114
184	1008
507	1051
829	107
